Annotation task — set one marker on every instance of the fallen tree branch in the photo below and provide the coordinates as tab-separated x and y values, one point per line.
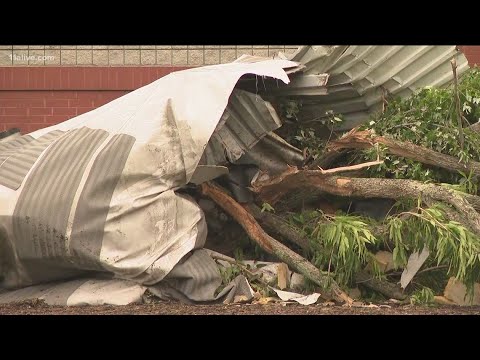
473	200
392	291
327	159
351	167
329	288
366	139
249	274
272	190
278	225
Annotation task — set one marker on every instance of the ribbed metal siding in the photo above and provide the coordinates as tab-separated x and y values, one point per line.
374	71
246	120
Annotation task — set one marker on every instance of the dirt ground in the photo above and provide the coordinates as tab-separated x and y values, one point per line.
31	308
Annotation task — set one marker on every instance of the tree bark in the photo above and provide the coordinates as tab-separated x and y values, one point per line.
385	288
273	189
366	139
279	226
328	158
269	244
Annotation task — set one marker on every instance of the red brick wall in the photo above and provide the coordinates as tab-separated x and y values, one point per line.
33	110
472	53
36	97
32	98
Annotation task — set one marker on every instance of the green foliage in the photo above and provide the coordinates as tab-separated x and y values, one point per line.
425	296
449	242
290	109
468	183
429	118
238	254
229	273
331	119
267	207
306	221
343	244
307	140
340	243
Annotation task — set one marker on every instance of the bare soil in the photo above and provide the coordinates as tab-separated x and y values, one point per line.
38	308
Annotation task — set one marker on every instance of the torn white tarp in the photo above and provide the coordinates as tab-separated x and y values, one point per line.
97	193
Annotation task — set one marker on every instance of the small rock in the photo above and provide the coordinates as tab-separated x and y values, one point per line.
384	260
297	281
442	300
456	291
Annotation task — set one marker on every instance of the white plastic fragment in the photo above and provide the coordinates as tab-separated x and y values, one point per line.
300	298
415	262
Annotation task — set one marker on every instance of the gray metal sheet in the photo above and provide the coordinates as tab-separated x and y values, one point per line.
246	120
374	71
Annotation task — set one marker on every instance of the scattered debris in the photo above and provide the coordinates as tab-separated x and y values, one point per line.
301	299
344	181
283	276
415	262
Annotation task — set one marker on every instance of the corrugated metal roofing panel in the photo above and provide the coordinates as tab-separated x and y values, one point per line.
374	72
273	154
246	120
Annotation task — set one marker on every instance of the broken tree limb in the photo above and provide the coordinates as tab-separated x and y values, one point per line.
385	288
351	167
473	200
366	139
272	190
327	159
280	226
329	288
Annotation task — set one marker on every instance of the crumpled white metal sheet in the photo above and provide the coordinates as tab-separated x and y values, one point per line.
99	192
